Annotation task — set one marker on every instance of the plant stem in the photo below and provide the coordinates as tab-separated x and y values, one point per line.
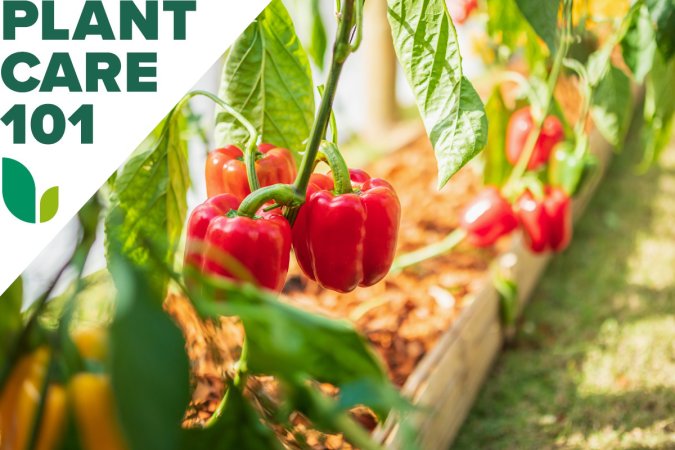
282	194
430	251
331	155
341	50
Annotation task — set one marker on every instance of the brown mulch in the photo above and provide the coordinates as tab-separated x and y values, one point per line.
403	316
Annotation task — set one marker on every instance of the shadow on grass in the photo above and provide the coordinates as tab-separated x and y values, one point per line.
538	395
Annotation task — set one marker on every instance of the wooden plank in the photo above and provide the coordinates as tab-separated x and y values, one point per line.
447	380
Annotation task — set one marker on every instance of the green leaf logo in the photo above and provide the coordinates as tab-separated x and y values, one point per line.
19	194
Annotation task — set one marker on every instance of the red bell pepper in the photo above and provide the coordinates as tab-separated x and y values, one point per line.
547	223
220	242
487	218
558	206
535	222
226	170
345	240
460	10
520	125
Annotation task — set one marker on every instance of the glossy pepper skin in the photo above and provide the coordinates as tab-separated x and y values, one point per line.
558	206
547	222
520	125
348	240
219	242
535	222
226	171
487	218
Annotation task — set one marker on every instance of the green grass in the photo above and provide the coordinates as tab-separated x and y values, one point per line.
593	363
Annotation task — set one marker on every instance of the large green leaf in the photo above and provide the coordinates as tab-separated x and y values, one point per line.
497	167
659	108
149	198
149	366
284	341
318	38
611	105
543	16
267	78
638	44
426	45
18	190
238	426
663	14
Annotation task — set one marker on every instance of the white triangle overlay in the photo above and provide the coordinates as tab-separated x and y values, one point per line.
121	120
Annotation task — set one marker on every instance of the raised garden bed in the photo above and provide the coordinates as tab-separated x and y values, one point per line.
437	326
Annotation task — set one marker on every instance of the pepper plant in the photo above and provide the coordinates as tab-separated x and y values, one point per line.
238	243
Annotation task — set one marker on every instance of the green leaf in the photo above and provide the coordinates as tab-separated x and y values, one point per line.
286	341
18	190
11	302
659	109
49	204
426	44
149	198
319	40
93	306
238	426
663	14
149	366
267	78
638	44
497	167
543	16
508	27
611	105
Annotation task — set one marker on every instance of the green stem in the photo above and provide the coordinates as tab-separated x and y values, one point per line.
359	26
341	50
521	166
333	122
250	150
329	153
431	251
283	194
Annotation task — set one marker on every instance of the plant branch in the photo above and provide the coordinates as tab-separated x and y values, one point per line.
341	50
431	251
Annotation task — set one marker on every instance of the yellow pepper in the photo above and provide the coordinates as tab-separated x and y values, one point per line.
94	406
92	343
89	395
19	403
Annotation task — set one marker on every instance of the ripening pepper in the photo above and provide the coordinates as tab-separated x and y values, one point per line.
546	222
221	242
487	218
535	222
520	125
20	401
558	206
94	409
460	10
345	237
226	170
567	170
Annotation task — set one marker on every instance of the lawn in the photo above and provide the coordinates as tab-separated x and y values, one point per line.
593	363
